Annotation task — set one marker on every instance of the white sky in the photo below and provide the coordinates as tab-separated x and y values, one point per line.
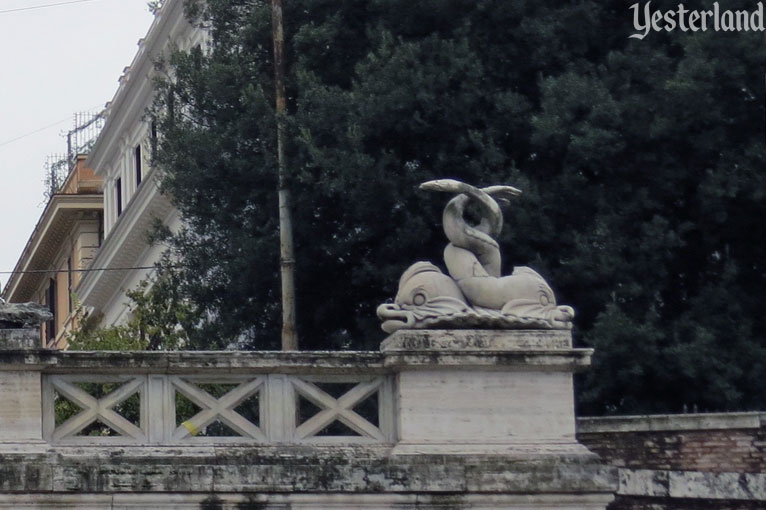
54	61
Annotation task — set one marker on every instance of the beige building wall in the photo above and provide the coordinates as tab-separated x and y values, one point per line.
64	242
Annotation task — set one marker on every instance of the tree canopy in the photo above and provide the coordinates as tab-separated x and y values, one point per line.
641	163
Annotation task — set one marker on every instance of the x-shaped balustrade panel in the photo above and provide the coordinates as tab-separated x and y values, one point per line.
101	409
214	409
226	399
341	409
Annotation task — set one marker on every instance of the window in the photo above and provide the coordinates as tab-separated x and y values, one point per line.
50	326
70	282
118	194
137	156
100	228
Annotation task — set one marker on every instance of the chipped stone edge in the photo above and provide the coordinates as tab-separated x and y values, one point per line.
477	340
662	422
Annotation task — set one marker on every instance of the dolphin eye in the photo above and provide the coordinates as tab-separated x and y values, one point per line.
419	299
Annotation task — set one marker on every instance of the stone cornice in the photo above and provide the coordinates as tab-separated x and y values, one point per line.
164	362
484	349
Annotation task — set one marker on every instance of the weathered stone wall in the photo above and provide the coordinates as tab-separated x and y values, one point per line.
683	462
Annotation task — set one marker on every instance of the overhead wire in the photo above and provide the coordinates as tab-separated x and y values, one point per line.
8	142
38	130
86	270
44	6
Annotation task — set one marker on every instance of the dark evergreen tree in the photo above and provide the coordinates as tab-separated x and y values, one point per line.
641	163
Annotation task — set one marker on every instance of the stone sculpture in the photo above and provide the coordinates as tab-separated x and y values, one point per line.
474	295
22	315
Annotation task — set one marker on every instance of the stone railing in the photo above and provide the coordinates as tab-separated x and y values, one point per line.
208	398
435	419
502	388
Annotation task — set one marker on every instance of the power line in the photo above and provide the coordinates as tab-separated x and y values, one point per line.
38	130
8	142
89	270
45	6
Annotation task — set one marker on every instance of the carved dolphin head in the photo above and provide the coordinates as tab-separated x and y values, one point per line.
423	291
423	281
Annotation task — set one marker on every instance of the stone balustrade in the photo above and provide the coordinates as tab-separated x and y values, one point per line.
435	419
164	398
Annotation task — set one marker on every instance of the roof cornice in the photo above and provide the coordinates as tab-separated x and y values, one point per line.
135	91
57	214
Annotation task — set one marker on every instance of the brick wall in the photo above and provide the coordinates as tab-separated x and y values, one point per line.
683	462
736	450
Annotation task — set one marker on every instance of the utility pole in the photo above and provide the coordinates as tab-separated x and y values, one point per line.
286	251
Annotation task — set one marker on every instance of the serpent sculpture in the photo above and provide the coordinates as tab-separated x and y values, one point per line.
474	294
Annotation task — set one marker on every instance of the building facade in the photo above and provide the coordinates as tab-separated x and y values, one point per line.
60	248
121	156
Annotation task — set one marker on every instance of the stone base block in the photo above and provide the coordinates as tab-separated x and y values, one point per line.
447	408
20	410
476	391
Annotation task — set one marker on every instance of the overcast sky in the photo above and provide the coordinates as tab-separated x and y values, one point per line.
56	61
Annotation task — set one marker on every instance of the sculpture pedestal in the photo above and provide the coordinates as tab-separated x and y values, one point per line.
503	399
475	391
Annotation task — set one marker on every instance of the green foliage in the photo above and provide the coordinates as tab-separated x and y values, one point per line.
641	164
90	336
159	319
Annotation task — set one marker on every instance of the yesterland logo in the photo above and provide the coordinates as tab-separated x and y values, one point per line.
717	19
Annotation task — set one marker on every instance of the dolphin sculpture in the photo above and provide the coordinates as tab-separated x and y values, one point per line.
475	294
